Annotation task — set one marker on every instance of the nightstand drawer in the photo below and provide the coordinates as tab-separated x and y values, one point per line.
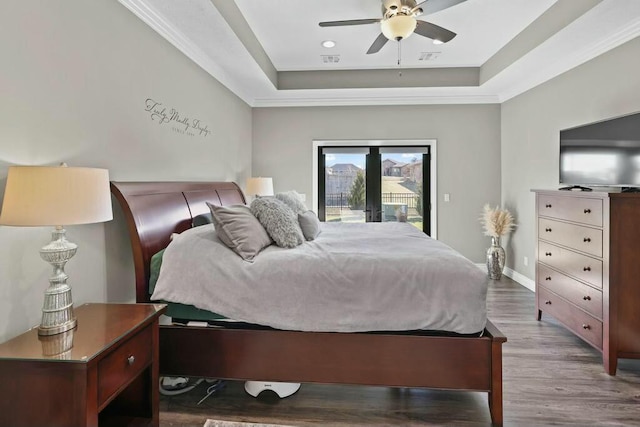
585	297
587	327
572	263
577	209
124	364
582	238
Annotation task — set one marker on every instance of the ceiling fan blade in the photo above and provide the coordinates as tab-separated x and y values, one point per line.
434	32
349	22
433	6
377	44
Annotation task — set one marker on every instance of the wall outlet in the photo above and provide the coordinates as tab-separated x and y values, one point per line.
526	261
447	197
303	197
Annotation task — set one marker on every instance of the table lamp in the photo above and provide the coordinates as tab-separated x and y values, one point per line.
260	186
56	196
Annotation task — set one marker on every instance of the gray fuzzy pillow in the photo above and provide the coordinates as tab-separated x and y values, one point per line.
293	200
279	221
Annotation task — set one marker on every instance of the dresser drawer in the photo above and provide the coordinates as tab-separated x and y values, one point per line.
574	264
584	239
577	209
585	297
585	326
123	364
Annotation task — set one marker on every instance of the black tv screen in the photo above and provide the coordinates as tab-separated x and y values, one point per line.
606	153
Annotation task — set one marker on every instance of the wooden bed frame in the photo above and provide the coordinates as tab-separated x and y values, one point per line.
154	210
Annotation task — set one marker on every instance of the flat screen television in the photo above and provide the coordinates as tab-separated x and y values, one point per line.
605	153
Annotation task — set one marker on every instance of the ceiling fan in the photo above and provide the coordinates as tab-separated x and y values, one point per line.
399	21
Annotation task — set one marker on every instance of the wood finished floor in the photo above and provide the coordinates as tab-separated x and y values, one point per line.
551	378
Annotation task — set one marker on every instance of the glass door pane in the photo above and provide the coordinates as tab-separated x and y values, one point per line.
402	183
345	185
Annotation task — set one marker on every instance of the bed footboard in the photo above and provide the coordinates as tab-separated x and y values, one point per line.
455	363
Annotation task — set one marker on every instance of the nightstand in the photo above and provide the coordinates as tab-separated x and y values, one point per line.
109	377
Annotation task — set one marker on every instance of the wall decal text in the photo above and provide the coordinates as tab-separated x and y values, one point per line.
162	115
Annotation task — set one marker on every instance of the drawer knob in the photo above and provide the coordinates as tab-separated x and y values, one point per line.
586	298
548	230
131	360
586	327
586	269
587	211
547	302
547	254
547	278
586	240
548	205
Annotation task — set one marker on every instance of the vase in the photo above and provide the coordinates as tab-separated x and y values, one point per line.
495	259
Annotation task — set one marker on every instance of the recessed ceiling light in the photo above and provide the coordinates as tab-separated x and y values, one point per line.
436	41
328	43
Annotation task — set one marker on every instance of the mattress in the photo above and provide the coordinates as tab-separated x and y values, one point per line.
352	278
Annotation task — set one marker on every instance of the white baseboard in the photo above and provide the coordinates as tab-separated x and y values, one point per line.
520	278
515	276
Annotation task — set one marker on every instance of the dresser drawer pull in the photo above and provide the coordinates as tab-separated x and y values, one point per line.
587	211
547	278
547	302
586	240
548	230
586	298
586	269
548	205
547	254
131	360
586	327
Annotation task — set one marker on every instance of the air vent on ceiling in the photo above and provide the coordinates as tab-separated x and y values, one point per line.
428	56
330	59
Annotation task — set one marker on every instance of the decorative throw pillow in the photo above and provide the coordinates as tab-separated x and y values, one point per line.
293	200
239	230
279	221
310	224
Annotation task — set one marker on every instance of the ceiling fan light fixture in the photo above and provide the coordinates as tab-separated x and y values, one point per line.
398	27
328	44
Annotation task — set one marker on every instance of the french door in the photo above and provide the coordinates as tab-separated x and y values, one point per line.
375	184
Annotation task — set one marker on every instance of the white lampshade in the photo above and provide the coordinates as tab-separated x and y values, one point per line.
398	27
260	186
58	195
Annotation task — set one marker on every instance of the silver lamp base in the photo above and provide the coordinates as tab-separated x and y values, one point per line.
57	310
57	346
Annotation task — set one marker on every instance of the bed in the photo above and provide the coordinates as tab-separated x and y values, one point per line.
155	210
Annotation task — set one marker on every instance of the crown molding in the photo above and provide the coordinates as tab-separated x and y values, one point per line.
146	13
375	100
569	62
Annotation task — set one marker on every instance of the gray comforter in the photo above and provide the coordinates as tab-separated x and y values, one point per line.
352	278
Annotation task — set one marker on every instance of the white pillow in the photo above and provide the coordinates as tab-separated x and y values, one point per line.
293	200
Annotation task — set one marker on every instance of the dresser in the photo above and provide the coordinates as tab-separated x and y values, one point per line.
588	268
102	373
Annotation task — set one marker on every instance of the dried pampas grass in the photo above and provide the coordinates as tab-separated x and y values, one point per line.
496	222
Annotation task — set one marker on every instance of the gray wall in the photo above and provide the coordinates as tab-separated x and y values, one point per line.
74	78
468	150
604	87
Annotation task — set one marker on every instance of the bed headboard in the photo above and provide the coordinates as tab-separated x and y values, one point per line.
154	210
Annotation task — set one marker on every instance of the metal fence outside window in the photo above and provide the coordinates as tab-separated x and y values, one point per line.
341	200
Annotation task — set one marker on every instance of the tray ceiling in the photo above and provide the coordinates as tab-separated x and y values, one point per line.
269	52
